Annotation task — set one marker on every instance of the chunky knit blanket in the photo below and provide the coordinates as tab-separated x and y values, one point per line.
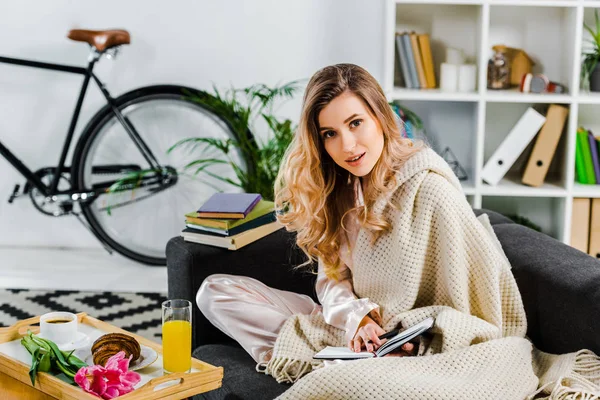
439	260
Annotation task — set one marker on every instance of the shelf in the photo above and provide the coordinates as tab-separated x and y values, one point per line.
587	191
545	212
492	96
515	96
439	21
523	3
589	98
588	118
469	186
514	188
532	29
474	124
432	95
455	2
534	3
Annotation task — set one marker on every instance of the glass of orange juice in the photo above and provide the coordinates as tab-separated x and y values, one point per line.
177	335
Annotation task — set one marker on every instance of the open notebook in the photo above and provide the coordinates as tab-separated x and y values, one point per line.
345	353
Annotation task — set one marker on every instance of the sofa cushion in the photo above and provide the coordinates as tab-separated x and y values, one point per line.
240	378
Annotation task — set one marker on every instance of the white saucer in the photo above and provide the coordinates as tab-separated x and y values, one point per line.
80	340
147	356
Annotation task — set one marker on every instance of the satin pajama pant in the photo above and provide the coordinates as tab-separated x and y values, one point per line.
249	311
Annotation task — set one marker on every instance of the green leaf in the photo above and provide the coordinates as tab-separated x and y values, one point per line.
207	162
73	360
597	36
45	363
35	360
29	344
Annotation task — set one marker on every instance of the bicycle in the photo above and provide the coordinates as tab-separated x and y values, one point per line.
131	134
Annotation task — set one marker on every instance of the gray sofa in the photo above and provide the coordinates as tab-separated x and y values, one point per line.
560	287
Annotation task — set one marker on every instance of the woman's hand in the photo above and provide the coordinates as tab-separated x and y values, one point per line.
366	336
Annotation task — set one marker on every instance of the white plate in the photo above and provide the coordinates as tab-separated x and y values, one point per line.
147	356
80	341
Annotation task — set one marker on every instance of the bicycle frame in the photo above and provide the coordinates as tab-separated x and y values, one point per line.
51	190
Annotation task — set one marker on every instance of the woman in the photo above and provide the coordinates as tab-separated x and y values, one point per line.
346	150
396	242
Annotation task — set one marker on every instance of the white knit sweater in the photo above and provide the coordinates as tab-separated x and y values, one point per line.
438	260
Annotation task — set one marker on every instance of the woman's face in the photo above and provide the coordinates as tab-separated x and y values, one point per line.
349	132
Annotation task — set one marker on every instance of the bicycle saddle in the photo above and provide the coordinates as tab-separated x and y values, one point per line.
101	40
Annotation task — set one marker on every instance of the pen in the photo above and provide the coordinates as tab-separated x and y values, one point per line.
389	334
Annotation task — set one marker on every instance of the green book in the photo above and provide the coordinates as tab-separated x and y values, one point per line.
579	165
582	136
263	207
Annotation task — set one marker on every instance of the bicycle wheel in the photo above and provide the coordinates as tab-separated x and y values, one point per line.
139	222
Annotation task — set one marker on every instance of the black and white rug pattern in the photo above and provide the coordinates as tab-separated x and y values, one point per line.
138	313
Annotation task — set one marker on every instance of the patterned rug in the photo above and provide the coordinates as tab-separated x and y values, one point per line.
138	313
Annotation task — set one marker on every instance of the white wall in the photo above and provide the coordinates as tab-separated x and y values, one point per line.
196	43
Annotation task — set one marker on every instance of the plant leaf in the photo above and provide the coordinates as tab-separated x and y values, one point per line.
207	162
34	366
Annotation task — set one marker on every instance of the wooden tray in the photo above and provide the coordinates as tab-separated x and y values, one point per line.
204	377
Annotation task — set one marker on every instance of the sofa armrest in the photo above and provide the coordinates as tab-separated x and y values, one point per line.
270	260
560	287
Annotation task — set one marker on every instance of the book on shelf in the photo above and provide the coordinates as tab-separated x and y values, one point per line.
594	245
580	226
584	164
425	47
398	77
403	61
545	146
580	171
412	67
234	242
263	207
228	205
585	225
414	42
404	336
594	152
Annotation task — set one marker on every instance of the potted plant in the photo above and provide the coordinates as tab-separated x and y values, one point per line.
245	109
590	68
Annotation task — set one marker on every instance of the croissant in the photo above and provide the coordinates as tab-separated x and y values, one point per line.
110	344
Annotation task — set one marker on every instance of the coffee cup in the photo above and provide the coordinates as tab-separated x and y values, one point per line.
59	327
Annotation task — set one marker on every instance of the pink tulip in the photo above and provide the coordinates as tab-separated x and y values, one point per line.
110	381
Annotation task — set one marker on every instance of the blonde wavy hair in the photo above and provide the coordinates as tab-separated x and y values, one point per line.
313	194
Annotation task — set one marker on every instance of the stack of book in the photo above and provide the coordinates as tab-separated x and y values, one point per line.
587	164
231	220
415	61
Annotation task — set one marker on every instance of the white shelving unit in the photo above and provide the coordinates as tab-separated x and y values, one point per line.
474	124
